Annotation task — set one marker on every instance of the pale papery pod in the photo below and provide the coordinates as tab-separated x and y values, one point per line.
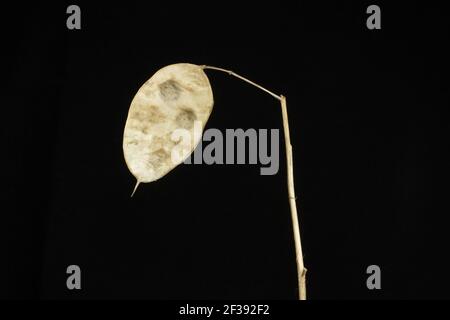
178	96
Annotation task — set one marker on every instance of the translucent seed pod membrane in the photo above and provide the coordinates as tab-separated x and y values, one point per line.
178	96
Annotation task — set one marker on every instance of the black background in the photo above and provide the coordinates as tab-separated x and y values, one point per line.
366	113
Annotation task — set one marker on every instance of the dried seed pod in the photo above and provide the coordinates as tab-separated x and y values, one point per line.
175	97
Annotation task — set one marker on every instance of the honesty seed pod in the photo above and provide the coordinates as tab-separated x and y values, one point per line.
175	97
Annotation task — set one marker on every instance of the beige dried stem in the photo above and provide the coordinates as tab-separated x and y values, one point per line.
301	270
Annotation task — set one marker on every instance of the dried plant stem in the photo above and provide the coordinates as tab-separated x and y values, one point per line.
244	79
301	270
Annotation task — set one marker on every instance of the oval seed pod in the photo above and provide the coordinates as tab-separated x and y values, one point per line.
177	98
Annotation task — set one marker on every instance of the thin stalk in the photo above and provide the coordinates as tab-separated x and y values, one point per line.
244	79
301	270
